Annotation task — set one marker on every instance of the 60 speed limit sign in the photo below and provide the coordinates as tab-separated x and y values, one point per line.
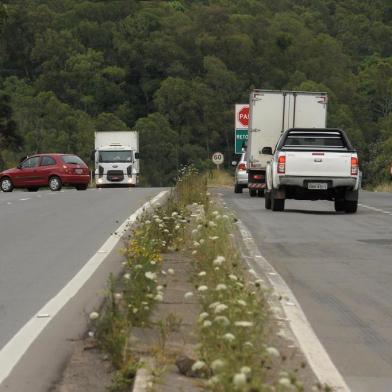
217	158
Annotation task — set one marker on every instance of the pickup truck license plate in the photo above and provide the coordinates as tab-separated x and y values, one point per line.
317	185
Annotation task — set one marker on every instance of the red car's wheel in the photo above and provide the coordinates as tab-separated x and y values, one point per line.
6	184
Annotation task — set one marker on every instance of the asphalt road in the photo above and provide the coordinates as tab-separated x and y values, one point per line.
47	237
339	267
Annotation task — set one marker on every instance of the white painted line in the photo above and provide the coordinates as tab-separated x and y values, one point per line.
27	198
13	351
315	353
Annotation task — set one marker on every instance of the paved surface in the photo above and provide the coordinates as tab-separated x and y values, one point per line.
339	267
46	237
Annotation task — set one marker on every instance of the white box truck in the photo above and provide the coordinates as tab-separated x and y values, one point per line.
116	157
270	114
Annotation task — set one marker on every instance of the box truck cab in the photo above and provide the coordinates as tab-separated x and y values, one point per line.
116	157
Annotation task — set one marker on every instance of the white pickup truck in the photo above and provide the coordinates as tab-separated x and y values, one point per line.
313	164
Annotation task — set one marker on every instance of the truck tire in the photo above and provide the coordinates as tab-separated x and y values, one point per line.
237	188
339	205
350	206
260	193
267	200
252	192
277	204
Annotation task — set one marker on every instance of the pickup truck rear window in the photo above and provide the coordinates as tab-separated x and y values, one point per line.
323	140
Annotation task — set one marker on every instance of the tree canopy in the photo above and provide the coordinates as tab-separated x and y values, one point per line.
174	70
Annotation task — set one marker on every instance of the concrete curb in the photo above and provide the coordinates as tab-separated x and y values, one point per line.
316	355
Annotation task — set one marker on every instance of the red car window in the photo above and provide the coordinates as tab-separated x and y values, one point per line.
47	161
30	162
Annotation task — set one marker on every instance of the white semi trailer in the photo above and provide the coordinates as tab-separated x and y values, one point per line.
116	157
270	114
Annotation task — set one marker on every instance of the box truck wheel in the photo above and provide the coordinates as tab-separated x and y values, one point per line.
252	192
237	188
260	192
339	205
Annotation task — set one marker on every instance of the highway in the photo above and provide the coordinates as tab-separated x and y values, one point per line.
45	239
339	267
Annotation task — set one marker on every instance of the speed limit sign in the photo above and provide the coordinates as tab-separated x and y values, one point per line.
217	158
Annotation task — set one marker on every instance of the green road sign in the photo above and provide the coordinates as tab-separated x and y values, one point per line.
241	140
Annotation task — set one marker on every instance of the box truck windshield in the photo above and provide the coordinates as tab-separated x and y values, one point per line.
115	156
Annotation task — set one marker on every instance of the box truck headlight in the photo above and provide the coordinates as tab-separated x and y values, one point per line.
99	181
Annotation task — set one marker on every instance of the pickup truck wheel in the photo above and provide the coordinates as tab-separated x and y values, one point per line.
252	192
237	188
267	200
351	206
339	205
277	204
260	192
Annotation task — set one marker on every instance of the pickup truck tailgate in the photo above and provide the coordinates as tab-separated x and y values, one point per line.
318	164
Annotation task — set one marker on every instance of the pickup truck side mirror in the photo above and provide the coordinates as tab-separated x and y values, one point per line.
267	151
137	155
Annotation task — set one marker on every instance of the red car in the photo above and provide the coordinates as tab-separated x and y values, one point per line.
41	170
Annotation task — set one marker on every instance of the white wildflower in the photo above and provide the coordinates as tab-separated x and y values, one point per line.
212	224
273	352
138	266
153	262
177	227
246	370
199	226
91	334
233	277
239	380
202	273
248	344
188	295
217	365
284	381
214	238
221	308
239	284
222	320
245	324
166	231
159	297
93	315
147	222
202	288
252	272
219	260
127	276
207	323
118	295
221	286
170	271
241	302
150	275
201	241
194	252
196	244
198	365
203	316
163	272
174	214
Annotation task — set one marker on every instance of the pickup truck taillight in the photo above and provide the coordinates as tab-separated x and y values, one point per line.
354	166
282	164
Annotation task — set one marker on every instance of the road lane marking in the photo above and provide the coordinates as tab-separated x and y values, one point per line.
315	353
375	209
26	198
16	347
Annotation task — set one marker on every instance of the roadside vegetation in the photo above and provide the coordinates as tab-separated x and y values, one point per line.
174	69
234	327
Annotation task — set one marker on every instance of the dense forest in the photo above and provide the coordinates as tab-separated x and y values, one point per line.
174	70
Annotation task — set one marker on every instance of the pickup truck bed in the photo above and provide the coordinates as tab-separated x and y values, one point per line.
313	164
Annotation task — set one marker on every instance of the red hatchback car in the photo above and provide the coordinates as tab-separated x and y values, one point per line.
41	170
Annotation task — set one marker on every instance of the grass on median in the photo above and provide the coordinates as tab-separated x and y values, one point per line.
234	354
